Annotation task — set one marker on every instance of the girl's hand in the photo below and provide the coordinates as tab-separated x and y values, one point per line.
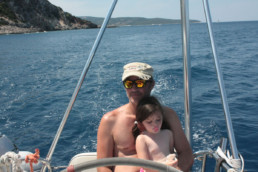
172	161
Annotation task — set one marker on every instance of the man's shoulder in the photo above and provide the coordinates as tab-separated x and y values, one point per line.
171	118
169	112
114	113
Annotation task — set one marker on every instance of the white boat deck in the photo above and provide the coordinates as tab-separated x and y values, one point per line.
84	157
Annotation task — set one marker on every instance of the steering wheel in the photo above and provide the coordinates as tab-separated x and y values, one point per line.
120	161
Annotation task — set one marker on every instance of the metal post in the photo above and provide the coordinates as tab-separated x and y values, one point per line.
223	145
221	83
187	67
82	77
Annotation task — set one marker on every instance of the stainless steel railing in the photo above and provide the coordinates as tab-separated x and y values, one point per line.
187	74
187	68
79	84
221	83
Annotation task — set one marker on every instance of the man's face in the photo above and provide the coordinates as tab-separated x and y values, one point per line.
135	94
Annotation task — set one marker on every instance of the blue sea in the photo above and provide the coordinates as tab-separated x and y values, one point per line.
39	72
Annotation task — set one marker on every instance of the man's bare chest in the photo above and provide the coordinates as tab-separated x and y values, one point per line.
124	140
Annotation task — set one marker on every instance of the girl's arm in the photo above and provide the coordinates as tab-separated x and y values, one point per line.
182	146
142	148
143	151
171	159
171	141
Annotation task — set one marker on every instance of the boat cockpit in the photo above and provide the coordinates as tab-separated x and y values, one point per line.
229	160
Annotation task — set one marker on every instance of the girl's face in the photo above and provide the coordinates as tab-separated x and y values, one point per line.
153	123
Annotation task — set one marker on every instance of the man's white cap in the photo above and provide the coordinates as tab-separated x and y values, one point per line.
141	70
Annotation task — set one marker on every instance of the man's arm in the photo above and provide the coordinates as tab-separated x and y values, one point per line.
182	146
105	142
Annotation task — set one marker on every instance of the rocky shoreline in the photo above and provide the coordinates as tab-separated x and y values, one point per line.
28	16
6	30
17	30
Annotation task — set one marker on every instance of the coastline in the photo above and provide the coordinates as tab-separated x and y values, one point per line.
7	29
17	30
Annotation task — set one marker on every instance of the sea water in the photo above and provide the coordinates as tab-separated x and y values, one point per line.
39	72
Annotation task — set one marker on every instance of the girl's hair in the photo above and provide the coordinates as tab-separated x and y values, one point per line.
145	108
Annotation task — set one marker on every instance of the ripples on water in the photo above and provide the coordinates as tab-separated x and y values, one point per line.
40	71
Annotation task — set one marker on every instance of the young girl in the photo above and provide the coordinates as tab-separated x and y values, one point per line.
154	140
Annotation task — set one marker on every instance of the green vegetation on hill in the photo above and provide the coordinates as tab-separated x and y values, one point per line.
25	16
121	21
5	11
20	16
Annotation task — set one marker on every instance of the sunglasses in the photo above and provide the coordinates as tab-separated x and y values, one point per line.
140	83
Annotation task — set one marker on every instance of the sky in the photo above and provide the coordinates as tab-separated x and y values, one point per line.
221	10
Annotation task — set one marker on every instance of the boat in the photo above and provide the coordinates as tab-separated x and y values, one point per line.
229	160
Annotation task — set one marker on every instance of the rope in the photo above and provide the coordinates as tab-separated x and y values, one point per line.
236	164
11	159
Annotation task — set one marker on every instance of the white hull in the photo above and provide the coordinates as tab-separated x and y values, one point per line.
82	158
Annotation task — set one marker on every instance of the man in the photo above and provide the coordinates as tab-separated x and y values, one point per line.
115	137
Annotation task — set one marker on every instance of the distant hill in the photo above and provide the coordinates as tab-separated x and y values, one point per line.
25	16
122	21
19	16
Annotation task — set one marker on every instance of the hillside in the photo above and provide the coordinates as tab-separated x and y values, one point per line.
122	21
23	16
